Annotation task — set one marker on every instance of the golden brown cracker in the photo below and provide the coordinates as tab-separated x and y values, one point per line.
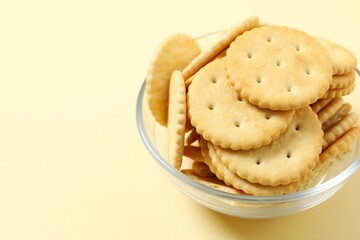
220	55
339	129
206	56
174	53
341	145
344	110
342	81
287	159
223	173
177	119
202	170
220	116
193	153
211	182
192	137
278	68
336	93
321	170
320	104
330	109
343	61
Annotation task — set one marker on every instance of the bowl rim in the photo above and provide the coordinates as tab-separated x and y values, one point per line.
331	183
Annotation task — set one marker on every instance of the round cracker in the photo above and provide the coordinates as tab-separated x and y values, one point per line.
177	119
220	116
339	92
343	61
287	159
278	68
330	109
174	53
229	36
339	129
341	145
342	81
344	110
316	176
223	173
211	182
320	104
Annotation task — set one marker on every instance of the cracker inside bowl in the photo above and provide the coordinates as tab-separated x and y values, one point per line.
316	189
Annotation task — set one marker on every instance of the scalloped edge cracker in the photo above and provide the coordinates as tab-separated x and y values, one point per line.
340	145
332	107
344	110
174	53
281	60
225	118
287	159
231	179
229	36
211	182
338	130
343	61
177	119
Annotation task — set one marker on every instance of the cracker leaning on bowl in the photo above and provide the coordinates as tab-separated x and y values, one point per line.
174	53
247	103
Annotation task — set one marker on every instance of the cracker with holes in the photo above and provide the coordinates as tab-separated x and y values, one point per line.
287	159
278	68
232	179
220	116
174	53
260	112
343	61
229	36
177	119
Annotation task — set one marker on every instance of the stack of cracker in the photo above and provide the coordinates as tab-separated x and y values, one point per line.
260	112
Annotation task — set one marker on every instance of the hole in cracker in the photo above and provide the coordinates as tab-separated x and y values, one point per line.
267	117
237	124
240	98
297	127
278	63
211	106
288	155
249	55
269	39
297	48
258	161
230	83
288	89
258	80
308	71
213	80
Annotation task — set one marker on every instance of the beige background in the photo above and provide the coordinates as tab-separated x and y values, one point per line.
72	165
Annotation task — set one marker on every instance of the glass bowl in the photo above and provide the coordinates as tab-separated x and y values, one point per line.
246	206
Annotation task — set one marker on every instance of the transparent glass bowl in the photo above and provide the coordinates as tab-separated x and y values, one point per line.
246	206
